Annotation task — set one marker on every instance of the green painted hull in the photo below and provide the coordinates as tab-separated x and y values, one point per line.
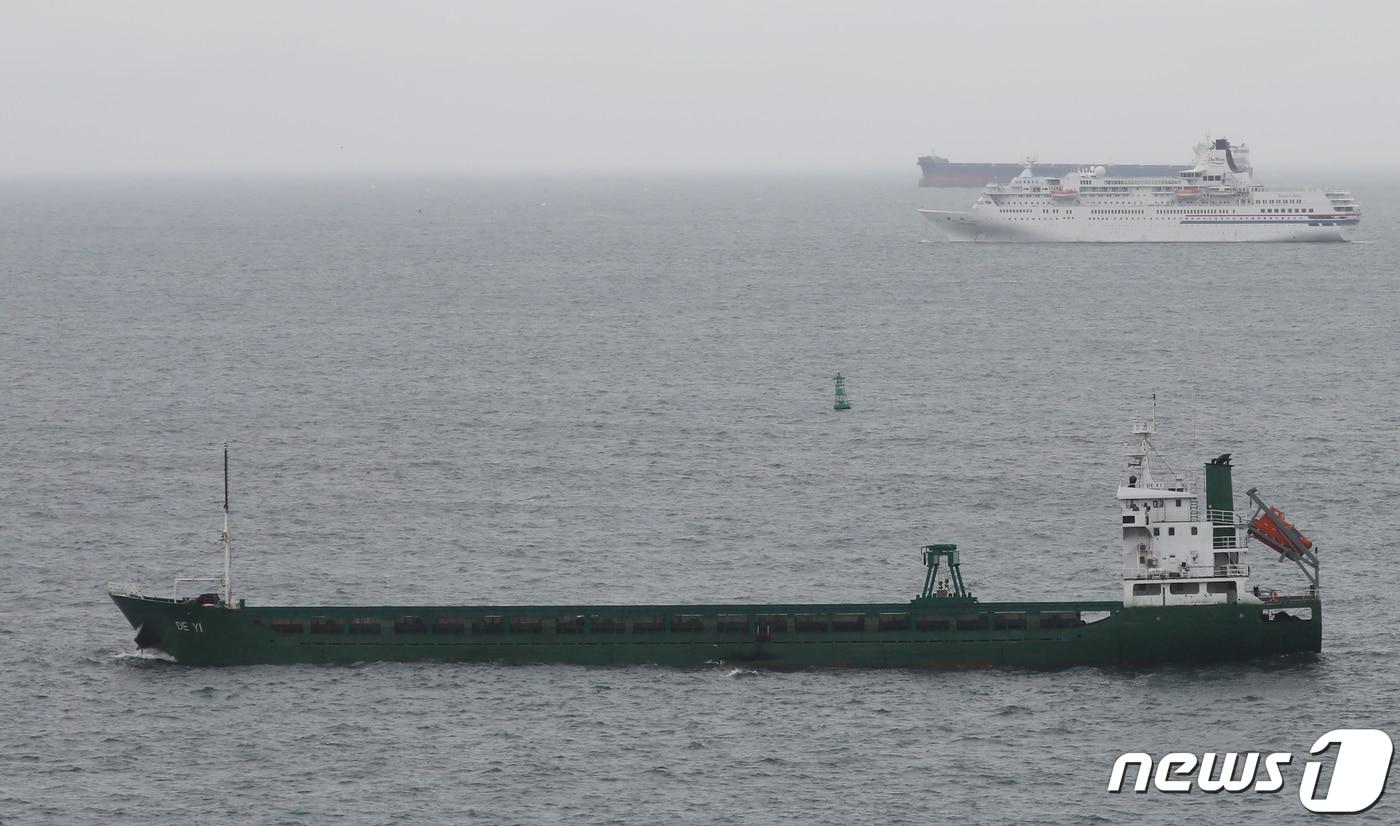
923	634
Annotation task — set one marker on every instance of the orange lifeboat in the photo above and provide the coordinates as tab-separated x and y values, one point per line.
1061	192
1272	528
1188	191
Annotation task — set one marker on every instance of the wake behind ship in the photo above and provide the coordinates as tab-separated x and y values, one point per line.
1187	596
1215	200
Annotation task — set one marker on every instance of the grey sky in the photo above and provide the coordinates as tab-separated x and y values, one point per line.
499	87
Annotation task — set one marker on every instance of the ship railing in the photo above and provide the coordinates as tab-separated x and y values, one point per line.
1135	572
1277	596
123	589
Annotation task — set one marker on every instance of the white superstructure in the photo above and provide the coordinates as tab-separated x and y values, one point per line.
1175	550
1215	200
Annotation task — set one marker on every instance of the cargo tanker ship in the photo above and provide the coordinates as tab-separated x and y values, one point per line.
1188	596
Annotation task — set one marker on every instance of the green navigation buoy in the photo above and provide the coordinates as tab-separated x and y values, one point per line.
842	403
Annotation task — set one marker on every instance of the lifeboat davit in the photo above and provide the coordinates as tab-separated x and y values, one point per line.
1272	528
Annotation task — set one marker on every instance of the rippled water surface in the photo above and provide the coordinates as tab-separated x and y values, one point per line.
613	391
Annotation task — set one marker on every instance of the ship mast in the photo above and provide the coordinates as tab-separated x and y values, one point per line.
228	540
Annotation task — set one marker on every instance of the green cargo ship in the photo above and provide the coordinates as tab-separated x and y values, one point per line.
1187	597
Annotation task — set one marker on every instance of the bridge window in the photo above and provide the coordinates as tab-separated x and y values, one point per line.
1226	587
1186	587
1142	589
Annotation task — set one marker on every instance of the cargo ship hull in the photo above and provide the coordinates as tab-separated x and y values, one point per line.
902	635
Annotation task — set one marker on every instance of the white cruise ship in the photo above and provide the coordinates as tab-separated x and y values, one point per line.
1214	200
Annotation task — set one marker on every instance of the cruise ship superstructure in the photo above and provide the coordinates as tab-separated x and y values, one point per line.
1215	200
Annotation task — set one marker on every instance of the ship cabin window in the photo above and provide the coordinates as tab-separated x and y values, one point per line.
1058	619
848	622
527	625
410	625
1194	530
365	625
569	625
1156	531
812	622
1226	587
648	625
894	622
933	622
1009	622
287	626
1186	587
326	625
1129	519
449	625
598	624
1171	531
773	622
1178	503
732	622
488	625
1146	589
972	622
688	623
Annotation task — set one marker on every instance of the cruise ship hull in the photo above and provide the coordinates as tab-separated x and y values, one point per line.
1072	226
903	635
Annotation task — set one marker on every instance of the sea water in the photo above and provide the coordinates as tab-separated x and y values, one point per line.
589	390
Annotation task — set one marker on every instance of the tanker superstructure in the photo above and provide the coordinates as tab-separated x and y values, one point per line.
1215	200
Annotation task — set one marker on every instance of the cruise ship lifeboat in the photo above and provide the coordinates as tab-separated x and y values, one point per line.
1188	193
1272	528
1062	192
